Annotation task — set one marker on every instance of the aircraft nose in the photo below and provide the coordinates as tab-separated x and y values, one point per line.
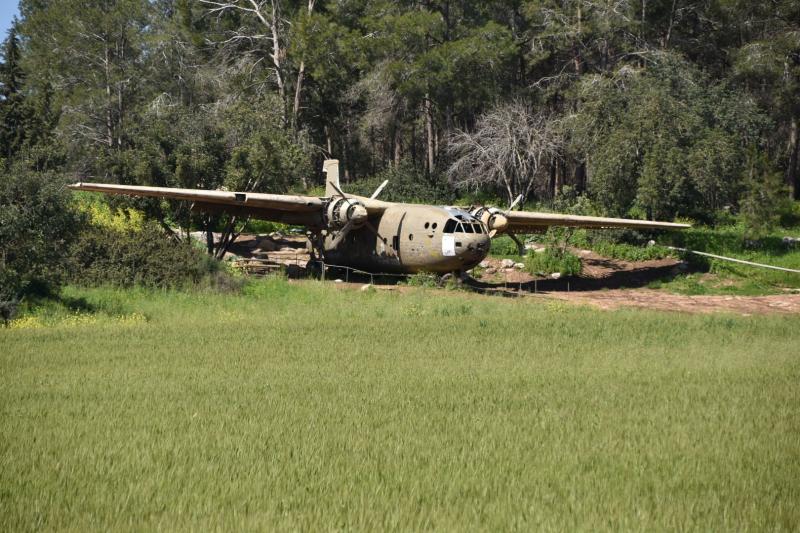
478	245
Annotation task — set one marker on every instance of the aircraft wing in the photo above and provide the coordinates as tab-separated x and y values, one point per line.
533	222
289	209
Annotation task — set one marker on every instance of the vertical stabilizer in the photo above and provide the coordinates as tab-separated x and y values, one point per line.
331	170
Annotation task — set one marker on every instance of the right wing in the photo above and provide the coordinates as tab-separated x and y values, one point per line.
533	222
285	208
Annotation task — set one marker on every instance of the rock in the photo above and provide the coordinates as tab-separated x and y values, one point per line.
791	241
651	243
519	266
555	275
338	281
490	270
507	263
484	264
365	288
539	250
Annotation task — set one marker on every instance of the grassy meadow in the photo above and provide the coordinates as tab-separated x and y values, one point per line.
309	407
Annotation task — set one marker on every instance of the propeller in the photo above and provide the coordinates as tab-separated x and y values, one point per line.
358	217
494	219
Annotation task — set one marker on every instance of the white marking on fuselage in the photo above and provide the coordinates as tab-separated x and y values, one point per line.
448	245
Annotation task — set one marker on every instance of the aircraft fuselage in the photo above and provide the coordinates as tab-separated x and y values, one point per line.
413	238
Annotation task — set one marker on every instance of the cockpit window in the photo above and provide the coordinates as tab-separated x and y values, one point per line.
452	226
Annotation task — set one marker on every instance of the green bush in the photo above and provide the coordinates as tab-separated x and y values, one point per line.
503	246
628	252
147	257
406	184
37	226
553	260
423	279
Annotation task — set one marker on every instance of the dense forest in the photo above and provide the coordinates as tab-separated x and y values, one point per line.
643	108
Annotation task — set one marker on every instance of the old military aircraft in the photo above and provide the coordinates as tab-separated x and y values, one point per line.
378	236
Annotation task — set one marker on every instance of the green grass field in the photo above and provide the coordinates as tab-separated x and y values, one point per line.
308	407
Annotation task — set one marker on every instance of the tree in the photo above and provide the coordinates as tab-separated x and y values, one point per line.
664	140
13	110
36	227
510	147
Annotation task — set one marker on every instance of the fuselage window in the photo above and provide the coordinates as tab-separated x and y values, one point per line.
434	225
477	228
410	236
427	224
467	227
450	226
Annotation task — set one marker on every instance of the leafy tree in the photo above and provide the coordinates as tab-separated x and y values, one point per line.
665	140
36	228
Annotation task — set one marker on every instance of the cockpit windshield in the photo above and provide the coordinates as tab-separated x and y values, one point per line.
453	226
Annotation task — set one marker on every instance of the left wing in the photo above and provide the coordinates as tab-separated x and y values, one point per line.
285	208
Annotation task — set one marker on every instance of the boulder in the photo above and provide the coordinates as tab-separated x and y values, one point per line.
555	275
507	263
365	288
519	266
484	264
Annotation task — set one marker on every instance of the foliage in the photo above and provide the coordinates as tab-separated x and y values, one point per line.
406	184
423	279
666	139
503	246
145	256
37	226
632	412
628	252
552	260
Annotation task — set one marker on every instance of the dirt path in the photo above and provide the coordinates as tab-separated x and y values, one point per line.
664	301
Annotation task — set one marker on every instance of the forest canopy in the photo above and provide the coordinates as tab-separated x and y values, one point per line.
660	107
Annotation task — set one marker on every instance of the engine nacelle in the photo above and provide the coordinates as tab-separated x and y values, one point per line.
494	219
340	211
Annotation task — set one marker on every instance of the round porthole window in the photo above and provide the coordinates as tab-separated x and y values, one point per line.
434	225
427	224
410	236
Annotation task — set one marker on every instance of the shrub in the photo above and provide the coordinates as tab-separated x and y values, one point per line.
37	226
102	255
553	260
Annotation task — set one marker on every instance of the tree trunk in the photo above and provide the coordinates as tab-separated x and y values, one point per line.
398	149
300	75
792	174
109	104
429	131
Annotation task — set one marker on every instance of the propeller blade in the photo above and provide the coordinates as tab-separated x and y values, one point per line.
378	190
342	234
514	203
